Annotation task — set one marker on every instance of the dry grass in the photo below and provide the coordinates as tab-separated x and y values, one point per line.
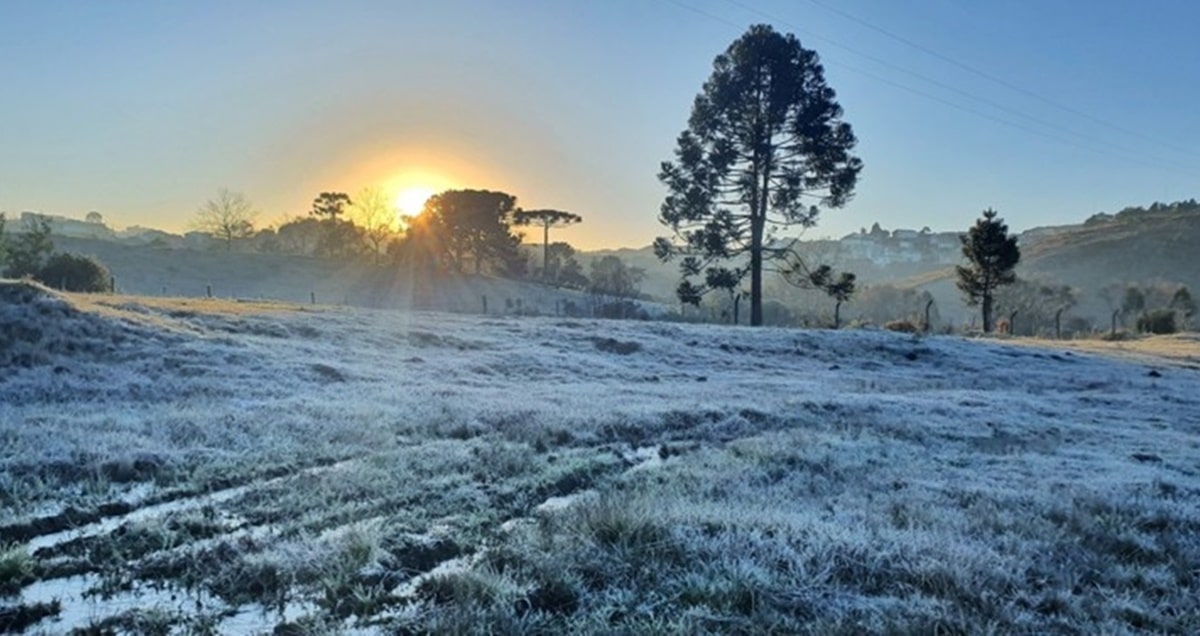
1174	350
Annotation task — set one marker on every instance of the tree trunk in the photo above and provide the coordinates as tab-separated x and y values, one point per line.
987	313
756	317
757	225
837	315
545	251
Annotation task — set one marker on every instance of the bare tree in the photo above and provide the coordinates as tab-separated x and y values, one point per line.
228	216
374	213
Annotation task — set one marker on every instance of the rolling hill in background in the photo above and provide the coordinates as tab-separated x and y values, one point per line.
1135	246
1139	249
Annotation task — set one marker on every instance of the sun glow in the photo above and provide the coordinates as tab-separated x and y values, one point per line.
410	200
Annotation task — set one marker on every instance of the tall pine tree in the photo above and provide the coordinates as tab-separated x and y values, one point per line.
991	255
764	147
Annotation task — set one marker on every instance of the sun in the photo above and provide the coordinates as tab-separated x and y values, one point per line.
411	200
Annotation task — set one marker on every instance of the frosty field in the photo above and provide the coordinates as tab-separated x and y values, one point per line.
192	466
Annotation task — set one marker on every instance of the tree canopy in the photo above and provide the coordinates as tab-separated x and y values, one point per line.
991	255
611	277
461	228
27	251
565	270
840	288
764	150
546	219
338	236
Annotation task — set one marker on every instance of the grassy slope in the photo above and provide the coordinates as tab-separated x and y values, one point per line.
588	476
152	271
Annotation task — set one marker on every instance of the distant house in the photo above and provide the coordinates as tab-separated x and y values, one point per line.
883	247
71	228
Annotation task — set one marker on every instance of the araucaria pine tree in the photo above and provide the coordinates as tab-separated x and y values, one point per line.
764	147
991	255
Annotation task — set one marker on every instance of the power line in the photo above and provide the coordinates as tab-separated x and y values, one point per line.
1141	157
1087	142
1149	163
993	78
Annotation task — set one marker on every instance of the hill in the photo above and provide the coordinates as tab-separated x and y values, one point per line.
1139	249
1136	245
248	468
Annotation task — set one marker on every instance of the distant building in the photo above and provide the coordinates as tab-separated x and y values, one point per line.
71	228
882	247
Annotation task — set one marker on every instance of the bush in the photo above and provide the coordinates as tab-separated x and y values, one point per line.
74	273
1160	321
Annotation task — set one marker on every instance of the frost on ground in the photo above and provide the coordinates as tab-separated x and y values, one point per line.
210	467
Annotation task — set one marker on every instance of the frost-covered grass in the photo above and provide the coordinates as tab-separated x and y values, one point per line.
341	470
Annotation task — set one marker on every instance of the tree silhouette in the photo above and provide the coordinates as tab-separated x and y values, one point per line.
300	235
229	216
458	228
991	256
841	288
28	250
765	145
613	286
566	270
339	234
546	219
330	205
1183	302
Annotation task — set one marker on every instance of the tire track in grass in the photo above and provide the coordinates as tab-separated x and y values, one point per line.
82	593
91	599
72	523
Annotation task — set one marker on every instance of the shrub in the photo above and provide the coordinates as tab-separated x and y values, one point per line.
16	569
75	273
1160	321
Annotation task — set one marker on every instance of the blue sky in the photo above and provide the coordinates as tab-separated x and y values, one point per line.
1047	110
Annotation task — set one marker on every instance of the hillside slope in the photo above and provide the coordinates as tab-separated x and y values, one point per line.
151	271
1149	248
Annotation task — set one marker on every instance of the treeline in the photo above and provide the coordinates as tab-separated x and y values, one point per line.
1134	213
457	232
